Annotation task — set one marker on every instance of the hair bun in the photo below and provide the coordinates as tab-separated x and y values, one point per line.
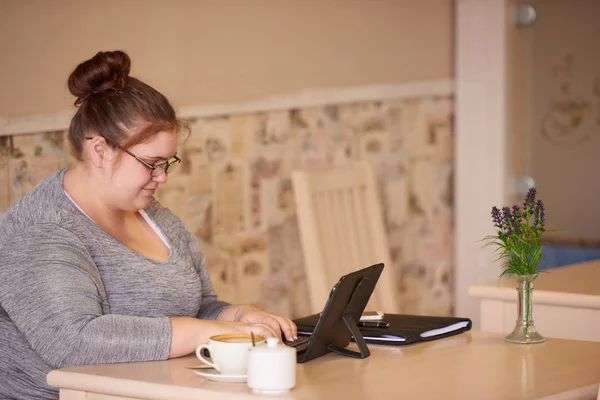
105	72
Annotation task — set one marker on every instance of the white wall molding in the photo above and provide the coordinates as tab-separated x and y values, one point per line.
35	123
480	146
305	98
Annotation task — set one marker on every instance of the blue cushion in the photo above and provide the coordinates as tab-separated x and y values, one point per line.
558	255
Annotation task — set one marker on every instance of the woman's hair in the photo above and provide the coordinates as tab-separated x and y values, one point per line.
112	104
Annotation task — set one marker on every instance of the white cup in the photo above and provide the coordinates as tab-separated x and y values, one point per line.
272	368
229	352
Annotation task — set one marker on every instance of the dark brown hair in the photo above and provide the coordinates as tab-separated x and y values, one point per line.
112	104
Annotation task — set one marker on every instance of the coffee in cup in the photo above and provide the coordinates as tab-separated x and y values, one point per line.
229	352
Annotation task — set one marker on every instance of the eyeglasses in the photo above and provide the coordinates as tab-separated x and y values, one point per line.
157	169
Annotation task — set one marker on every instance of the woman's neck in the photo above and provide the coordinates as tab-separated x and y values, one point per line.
87	191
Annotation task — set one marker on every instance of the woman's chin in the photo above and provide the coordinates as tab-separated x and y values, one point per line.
142	202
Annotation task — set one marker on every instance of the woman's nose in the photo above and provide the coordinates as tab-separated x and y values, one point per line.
161	178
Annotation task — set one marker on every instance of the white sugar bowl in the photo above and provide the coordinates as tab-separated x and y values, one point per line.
271	368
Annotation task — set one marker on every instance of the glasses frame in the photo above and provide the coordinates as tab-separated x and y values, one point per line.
161	166
164	166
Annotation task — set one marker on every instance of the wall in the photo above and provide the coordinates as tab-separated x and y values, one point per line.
212	51
491	132
234	193
563	116
205	55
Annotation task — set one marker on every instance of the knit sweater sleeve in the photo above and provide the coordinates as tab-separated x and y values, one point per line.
52	291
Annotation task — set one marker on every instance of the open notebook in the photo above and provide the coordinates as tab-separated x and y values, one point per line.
403	328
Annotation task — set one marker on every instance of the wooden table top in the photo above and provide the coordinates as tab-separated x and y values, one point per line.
472	365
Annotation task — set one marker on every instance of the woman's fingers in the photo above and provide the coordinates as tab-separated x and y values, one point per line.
282	324
262	330
273	323
277	324
289	329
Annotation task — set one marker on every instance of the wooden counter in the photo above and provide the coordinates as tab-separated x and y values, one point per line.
472	365
566	303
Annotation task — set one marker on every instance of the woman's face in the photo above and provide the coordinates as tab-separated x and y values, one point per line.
131	182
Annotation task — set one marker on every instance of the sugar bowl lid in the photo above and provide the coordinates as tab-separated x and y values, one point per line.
273	346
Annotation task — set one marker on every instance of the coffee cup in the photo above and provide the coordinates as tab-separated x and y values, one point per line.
228	352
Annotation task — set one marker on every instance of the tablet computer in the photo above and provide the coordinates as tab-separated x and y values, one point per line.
338	321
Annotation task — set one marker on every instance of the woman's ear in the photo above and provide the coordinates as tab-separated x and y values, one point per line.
98	151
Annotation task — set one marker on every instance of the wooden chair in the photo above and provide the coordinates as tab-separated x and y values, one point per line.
342	230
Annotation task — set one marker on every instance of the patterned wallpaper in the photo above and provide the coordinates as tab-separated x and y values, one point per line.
234	193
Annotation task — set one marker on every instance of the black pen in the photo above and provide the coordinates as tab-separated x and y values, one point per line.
373	324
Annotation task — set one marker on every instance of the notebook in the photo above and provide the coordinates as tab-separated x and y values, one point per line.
403	328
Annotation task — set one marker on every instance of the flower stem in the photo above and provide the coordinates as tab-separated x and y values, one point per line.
527	308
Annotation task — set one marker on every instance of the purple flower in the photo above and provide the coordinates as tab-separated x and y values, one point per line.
519	230
539	220
515	219
506	220
529	202
496	217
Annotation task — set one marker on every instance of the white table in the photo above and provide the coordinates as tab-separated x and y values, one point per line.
566	303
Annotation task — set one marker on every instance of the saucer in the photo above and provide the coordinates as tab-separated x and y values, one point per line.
214	375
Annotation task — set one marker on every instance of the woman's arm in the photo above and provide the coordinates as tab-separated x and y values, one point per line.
53	293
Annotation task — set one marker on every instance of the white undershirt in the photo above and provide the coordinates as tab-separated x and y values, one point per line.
144	215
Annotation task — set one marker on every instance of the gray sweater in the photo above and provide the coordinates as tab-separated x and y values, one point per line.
71	294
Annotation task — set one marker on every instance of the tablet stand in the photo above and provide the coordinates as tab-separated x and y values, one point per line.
353	328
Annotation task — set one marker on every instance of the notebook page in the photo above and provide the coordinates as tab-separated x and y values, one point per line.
446	329
387	338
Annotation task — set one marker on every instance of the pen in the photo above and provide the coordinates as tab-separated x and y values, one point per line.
373	324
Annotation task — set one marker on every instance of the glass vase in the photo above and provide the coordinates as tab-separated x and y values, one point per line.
525	332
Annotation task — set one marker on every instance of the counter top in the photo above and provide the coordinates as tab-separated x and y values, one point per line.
576	285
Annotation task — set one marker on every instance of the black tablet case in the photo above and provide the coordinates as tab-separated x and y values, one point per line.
408	327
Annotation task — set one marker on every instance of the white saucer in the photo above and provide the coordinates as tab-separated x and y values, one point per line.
214	375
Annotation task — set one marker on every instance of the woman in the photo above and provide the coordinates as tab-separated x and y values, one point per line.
94	270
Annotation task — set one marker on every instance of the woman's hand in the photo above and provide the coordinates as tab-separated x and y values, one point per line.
188	332
258	317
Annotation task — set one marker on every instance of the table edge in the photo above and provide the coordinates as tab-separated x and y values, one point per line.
486	291
131	388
